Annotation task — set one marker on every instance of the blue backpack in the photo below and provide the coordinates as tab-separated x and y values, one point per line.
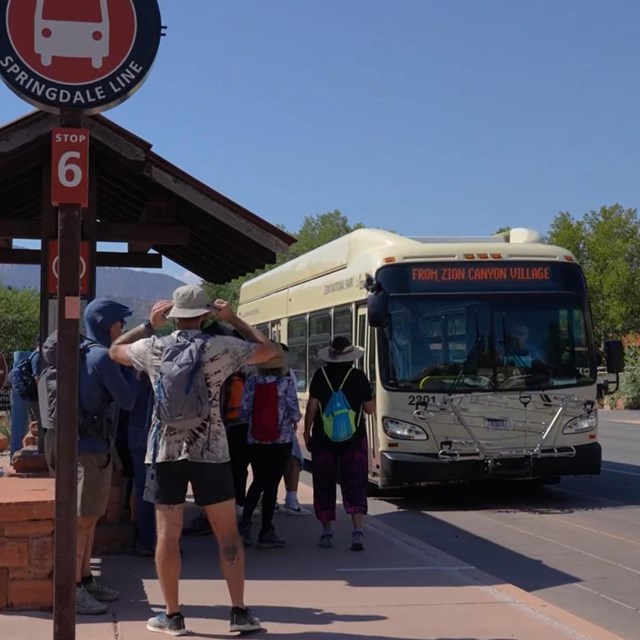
338	418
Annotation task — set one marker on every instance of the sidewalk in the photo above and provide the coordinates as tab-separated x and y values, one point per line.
397	589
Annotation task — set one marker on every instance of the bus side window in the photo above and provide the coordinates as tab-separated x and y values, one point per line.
319	337
343	323
297	343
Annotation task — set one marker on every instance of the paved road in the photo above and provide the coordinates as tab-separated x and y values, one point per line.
576	545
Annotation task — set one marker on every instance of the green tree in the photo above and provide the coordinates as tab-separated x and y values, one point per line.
19	319
314	232
607	245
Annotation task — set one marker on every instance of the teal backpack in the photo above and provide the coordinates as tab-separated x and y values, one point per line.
338	418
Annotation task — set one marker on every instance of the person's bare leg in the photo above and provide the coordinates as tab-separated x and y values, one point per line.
357	519
292	475
86	561
223	520
169	527
85	528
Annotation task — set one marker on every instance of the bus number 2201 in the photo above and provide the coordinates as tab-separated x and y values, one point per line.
421	400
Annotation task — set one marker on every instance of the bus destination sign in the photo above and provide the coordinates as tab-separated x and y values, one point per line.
469	273
476	276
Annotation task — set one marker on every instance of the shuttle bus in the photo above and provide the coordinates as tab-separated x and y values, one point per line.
480	350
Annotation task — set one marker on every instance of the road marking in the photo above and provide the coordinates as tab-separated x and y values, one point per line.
625	473
561	544
427	568
598	531
597	593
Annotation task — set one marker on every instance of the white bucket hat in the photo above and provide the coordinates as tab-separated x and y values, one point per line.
190	301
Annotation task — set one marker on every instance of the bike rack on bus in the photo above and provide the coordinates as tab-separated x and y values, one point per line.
476	449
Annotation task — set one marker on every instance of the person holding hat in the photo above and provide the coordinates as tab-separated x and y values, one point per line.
270	406
343	462
197	456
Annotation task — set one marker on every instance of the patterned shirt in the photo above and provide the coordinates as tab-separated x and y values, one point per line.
208	442
288	407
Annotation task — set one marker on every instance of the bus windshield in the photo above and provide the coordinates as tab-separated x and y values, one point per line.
487	341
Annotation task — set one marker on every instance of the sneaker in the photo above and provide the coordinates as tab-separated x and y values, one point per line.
87	605
270	540
173	626
245	535
199	527
357	538
244	620
326	540
296	510
101	592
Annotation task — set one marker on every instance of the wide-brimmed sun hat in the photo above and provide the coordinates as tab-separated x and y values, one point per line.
340	350
277	362
190	301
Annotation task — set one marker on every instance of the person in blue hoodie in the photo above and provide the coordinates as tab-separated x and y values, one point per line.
104	388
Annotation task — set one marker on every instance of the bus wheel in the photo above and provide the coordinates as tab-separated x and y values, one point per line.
373	490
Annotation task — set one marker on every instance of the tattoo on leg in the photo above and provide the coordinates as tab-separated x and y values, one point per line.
168	507
230	554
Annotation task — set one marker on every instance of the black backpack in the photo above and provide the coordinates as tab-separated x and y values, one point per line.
100	424
23	380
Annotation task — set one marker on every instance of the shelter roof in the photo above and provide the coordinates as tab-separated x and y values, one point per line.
139	193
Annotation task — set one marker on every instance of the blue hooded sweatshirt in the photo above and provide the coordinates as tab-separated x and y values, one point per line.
103	381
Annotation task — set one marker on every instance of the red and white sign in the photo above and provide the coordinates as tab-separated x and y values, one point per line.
83	55
70	167
3	372
54	267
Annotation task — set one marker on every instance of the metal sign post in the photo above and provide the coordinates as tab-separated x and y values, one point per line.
69	230
72	61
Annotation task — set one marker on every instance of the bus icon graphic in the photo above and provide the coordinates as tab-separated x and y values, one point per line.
71	39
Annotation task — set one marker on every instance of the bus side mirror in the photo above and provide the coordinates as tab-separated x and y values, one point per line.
614	355
377	309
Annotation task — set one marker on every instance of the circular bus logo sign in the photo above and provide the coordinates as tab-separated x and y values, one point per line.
85	55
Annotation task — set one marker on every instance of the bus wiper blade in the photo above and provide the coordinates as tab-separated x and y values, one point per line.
461	374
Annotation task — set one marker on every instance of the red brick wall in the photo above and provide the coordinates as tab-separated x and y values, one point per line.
26	544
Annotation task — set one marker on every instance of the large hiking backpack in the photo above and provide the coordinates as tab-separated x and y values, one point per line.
232	389
265	419
338	418
23	379
97	424
181	393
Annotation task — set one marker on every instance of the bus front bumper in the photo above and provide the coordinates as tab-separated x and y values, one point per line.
401	469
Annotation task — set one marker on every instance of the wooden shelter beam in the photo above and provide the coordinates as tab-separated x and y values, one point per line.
103	258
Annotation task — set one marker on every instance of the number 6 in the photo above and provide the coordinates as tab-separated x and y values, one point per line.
65	165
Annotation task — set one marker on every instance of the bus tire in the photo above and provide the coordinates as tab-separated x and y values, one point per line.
373	490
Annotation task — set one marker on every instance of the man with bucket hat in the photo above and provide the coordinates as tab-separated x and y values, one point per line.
198	455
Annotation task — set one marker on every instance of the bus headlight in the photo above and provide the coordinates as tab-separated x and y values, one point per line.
403	430
581	424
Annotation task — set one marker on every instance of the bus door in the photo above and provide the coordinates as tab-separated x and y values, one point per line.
365	338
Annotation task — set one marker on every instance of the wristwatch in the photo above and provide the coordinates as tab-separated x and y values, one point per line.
148	327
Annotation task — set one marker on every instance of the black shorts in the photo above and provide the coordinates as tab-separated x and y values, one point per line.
211	482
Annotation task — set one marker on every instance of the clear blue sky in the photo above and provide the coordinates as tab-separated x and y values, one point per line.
428	117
